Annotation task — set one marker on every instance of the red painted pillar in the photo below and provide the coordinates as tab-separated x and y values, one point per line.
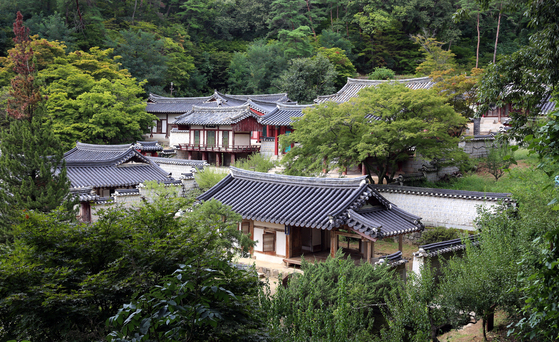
232	158
189	155
218	159
363	169
204	156
276	136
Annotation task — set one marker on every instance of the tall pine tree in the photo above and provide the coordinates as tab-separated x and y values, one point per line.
32	169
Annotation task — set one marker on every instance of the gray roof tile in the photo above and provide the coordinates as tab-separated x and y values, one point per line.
323	203
215	116
353	85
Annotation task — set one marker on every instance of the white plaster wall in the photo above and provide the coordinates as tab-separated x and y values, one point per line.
242	139
280	243
258	233
440	211
176	138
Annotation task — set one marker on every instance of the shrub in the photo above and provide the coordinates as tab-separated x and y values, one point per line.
255	162
382	73
438	234
208	178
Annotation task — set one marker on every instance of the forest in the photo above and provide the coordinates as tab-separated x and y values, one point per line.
193	47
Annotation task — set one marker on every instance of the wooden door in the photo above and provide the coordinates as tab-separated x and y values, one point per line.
296	246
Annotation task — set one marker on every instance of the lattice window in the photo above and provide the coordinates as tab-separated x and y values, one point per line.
269	242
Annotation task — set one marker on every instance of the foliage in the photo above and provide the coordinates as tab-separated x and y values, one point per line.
143	56
382	73
32	170
255	71
438	234
209	177
295	43
307	78
206	298
333	300
460	90
255	162
62	280
498	159
379	129
436	59
541	293
416	310
342	65
52	28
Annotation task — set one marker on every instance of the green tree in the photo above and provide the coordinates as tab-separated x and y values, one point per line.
333	300
382	73
342	65
61	280
287	14
142	54
32	170
380	128
307	78
436	59
296	43
460	90
496	161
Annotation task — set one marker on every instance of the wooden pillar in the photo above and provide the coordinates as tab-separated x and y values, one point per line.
288	244
333	243
189	155
204	155
218	159
363	169
401	243
369	250
232	158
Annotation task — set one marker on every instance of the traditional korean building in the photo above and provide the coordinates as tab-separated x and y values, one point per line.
353	85
275	123
167	109
148	148
219	135
292	216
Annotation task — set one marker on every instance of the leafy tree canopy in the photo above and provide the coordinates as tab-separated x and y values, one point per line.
307	78
384	125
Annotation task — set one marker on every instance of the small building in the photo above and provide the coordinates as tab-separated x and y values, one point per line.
97	171
148	148
275	123
167	109
291	216
218	135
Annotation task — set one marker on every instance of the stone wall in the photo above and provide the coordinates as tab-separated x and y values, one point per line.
476	147
441	207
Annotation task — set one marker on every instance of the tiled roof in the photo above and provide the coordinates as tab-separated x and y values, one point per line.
180	105
393	259
148	146
323	203
548	105
434	249
353	85
161	104
110	166
462	194
175	161
282	114
215	116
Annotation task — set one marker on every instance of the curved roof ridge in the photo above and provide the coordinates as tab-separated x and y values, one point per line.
180	99
254	95
292	106
296	180
102	148
219	109
403	80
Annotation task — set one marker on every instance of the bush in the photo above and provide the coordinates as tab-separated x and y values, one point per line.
255	162
382	73
333	300
208	178
438	234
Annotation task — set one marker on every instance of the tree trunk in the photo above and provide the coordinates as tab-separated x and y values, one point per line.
478	38
135	6
310	18
483	320
497	35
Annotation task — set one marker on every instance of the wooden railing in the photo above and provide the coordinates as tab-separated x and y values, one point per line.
213	148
